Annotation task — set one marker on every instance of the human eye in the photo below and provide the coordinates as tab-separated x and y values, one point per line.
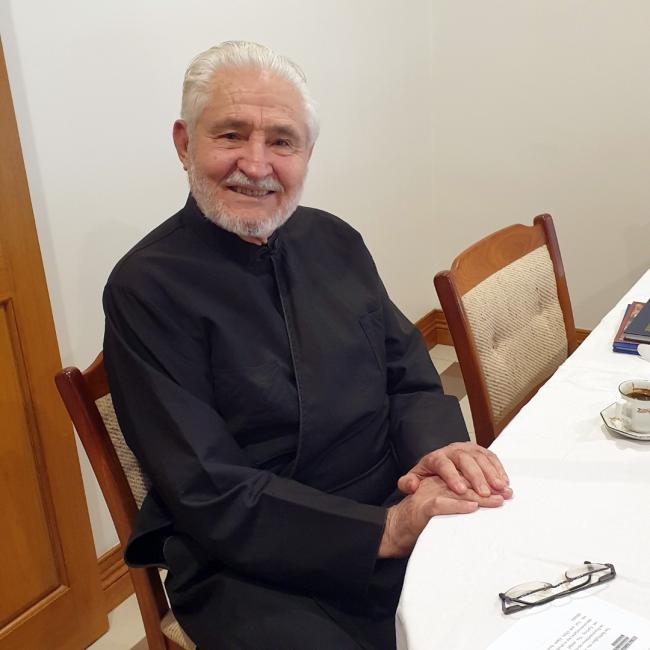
282	142
229	135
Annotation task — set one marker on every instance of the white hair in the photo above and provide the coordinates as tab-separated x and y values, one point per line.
241	54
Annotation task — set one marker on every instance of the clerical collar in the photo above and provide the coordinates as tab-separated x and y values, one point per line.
224	241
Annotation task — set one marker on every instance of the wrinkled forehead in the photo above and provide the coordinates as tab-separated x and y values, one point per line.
257	95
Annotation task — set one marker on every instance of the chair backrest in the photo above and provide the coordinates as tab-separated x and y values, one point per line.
507	305
124	485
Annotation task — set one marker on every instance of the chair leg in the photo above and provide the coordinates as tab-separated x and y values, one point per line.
152	608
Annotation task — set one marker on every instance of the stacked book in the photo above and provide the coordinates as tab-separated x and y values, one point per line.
634	328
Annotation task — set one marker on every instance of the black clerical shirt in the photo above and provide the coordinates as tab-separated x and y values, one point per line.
273	394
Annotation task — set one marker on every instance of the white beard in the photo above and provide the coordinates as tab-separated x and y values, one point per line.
204	192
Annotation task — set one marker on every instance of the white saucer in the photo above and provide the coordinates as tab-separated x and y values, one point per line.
615	424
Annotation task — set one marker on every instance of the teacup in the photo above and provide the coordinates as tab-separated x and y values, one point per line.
634	406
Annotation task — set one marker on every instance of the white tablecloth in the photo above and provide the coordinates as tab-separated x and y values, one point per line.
581	493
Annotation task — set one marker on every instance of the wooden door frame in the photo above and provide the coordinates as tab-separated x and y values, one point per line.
28	305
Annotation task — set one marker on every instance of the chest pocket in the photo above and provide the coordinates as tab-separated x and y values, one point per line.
256	396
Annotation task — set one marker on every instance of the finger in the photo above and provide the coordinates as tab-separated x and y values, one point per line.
490	501
473	472
475	449
436	488
447	471
408	483
490	472
450	506
493	501
506	493
494	459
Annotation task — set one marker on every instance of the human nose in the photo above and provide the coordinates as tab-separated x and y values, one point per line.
254	160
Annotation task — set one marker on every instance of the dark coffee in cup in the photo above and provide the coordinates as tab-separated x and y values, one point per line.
640	393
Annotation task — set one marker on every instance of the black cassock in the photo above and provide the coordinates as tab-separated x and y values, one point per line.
274	395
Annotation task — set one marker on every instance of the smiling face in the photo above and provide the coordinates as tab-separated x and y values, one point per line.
247	155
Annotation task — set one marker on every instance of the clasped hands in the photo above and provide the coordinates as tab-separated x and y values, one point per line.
456	479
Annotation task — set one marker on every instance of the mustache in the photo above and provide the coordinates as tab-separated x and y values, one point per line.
240	179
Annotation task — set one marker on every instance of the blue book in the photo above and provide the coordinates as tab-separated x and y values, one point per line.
626	348
620	344
638	329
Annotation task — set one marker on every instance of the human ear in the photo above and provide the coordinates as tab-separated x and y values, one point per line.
181	137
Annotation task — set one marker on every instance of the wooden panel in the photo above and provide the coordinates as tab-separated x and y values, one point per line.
427	327
115	577
434	329
34	569
5	278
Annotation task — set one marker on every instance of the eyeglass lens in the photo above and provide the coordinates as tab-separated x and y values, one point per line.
534	592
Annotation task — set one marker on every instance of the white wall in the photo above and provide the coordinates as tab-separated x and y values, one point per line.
542	106
442	121
96	88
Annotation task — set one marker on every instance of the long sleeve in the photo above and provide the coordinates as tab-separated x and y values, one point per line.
422	418
253	521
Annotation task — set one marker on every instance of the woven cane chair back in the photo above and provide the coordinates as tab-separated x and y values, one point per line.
135	476
124	485
507	305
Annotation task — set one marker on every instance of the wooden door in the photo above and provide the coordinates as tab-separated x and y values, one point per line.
50	595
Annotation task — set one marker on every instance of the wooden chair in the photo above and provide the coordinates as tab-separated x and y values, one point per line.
507	305
124	486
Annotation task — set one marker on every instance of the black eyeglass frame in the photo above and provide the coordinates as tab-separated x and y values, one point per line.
511	605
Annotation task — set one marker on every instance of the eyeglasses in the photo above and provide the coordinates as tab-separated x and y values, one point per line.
531	594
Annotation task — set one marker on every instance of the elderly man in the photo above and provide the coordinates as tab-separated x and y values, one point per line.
272	392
